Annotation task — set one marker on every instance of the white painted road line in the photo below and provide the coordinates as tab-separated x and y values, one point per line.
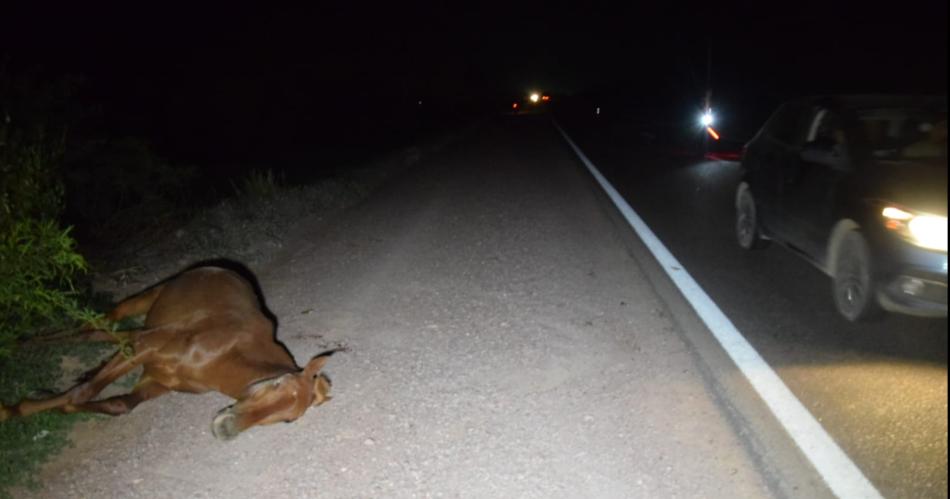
835	467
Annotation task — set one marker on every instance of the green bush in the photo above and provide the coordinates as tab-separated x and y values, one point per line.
38	259
37	264
30	186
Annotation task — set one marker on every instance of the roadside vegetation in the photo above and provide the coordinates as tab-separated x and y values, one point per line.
39	268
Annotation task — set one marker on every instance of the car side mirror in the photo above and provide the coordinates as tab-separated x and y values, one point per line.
825	152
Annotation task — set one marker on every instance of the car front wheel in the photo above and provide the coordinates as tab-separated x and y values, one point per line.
748	234
853	284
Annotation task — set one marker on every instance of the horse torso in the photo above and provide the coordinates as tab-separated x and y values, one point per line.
206	331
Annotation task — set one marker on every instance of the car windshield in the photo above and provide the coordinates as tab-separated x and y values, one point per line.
905	134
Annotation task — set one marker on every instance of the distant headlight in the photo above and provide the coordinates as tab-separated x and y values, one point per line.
926	231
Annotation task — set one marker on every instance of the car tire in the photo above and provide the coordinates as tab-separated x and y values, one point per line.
853	284
748	232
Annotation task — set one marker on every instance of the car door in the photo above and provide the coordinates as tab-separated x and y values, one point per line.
784	135
810	180
767	157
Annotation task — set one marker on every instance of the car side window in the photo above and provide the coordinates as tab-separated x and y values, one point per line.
785	125
826	129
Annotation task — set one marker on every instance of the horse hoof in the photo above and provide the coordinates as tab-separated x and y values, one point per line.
224	427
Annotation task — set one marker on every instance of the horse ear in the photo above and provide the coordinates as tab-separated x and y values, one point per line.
321	390
315	365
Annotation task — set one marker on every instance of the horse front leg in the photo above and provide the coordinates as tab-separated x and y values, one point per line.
118	366
144	390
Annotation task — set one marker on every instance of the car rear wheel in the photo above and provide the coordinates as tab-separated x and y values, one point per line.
748	234
853	283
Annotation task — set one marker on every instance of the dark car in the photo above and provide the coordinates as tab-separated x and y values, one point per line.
857	185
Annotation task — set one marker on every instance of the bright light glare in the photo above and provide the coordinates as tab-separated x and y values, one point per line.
535	97
707	118
896	213
929	231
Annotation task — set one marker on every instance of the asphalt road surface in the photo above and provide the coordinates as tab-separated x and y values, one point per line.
506	339
880	389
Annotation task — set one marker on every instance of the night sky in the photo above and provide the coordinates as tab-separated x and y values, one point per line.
200	78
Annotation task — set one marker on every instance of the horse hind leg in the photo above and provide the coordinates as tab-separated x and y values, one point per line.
137	305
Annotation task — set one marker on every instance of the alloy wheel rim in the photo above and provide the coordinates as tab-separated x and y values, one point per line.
852	286
744	224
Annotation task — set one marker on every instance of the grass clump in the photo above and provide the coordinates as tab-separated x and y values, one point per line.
259	185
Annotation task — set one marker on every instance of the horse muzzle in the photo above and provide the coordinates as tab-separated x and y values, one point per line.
225	424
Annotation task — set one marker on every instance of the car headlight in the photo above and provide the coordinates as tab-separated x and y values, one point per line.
926	231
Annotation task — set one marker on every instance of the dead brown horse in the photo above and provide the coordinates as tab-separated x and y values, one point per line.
204	330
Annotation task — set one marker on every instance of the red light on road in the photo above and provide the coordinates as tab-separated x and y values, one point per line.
514	105
545	98
712	133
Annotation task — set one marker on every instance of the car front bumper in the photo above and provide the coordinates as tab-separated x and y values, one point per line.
915	283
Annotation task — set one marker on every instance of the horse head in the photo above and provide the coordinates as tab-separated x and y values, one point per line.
281	399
